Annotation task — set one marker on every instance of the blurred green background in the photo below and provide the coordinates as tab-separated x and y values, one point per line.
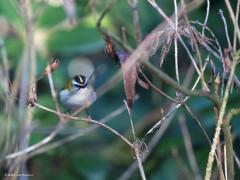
101	155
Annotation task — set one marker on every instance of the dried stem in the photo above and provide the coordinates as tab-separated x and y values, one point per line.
228	142
175	41
235	27
83	132
220	121
164	77
206	18
169	21
60	125
189	148
226	29
155	88
158	124
234	20
136	20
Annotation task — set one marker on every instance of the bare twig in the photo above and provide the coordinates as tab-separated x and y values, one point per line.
60	125
54	94
228	142
131	121
206	18
234	20
169	21
139	161
155	88
158	135
82	132
179	161
136	20
175	41
189	148
235	27
158	124
226	29
220	121
160	74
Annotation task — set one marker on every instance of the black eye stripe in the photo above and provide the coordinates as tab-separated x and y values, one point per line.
80	81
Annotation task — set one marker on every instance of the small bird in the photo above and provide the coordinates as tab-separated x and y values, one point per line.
77	93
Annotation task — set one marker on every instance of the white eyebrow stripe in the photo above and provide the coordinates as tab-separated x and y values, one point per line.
75	83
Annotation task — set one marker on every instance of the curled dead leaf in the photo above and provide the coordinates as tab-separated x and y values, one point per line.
129	77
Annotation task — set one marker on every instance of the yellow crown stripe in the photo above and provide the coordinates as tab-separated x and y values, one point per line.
80	79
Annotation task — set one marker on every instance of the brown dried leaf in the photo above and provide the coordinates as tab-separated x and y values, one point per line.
166	47
129	78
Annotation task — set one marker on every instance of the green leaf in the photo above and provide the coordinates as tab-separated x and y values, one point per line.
80	40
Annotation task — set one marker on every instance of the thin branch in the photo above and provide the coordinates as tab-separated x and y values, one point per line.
189	148
137	148
235	27
155	88
220	121
228	141
169	21
136	20
87	120
158	135
131	121
191	113
160	74
83	132
206	18
175	41
226	29
158	124
234	20
54	94
236	159
187	175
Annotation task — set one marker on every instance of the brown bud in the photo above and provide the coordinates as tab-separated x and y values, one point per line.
51	67
110	47
32	96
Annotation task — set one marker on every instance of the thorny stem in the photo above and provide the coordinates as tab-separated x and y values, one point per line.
229	143
220	121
